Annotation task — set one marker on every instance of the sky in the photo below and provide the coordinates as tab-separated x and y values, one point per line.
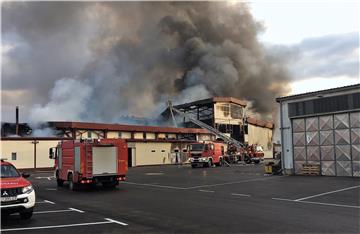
52	53
294	23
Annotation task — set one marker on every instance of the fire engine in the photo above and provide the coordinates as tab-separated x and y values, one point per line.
91	161
206	154
17	193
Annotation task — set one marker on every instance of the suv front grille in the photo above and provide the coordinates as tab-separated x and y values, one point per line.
12	192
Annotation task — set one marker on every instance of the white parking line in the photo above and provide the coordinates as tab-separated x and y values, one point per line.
321	194
65	225
77	210
51	189
240	194
316	203
154	185
235	182
118	222
45	201
53	211
206	191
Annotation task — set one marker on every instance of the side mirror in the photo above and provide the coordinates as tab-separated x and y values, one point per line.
25	175
51	153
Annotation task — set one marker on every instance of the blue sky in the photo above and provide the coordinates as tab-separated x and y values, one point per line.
325	34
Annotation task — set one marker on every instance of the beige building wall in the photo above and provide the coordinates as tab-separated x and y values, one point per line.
222	114
150	136
24	150
112	134
126	135
151	153
261	136
138	135
115	134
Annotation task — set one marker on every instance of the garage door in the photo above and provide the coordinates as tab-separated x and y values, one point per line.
331	141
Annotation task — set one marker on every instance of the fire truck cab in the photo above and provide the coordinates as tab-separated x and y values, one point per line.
206	154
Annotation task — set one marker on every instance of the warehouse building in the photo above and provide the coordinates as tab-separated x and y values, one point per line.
322	128
228	115
148	145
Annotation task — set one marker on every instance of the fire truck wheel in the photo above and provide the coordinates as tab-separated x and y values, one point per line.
220	162
26	214
72	186
247	160
210	163
59	182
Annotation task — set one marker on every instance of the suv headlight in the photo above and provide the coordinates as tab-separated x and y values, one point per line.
27	189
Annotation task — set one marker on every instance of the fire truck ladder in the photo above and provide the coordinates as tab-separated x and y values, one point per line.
216	132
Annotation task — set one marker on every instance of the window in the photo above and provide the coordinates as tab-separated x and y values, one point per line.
163	151
153	151
88	134
13	156
236	111
224	108
119	135
144	135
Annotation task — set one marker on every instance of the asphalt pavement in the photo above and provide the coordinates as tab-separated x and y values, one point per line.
181	199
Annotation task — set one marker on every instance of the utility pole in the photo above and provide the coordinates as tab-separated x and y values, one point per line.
35	142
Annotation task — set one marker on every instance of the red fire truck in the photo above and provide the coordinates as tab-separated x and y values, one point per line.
90	162
206	154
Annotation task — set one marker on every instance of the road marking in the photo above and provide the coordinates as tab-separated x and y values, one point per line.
77	210
206	191
115	221
235	182
282	199
45	201
154	185
240	194
46	177
330	204
60	226
52	211
317	203
51	189
321	194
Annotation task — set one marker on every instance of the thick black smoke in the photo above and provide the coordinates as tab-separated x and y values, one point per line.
98	61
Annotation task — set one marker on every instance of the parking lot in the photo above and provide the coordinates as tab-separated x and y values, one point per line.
180	199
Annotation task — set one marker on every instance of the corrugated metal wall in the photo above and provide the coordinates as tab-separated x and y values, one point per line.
331	141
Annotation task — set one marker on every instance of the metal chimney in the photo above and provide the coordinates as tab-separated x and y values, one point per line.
17	120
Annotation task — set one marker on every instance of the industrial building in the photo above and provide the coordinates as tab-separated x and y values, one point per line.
228	115
148	145
322	128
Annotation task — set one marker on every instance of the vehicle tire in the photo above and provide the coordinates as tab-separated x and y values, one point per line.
72	186
247	160
193	165
26	214
220	162
257	161
210	163
59	181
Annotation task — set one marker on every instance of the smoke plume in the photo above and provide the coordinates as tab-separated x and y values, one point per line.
97	61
